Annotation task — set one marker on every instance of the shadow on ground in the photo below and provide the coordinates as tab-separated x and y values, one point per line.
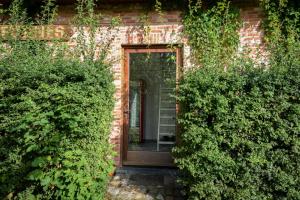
132	183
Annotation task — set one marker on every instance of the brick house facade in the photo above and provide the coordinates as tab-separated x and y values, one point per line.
165	29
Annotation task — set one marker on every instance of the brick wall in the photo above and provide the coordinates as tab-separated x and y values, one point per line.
164	29
251	34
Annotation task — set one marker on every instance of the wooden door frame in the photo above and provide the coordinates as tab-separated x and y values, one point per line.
164	157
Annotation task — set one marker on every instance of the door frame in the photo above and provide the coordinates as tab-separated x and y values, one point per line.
144	158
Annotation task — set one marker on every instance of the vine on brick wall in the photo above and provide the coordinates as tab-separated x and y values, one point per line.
282	26
92	39
212	32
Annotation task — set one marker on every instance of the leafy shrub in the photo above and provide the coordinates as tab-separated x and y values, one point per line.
240	137
55	115
240	121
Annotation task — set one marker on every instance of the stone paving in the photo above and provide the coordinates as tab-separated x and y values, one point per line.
145	184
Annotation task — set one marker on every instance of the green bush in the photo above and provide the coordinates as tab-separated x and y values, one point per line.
240	120
55	115
240	133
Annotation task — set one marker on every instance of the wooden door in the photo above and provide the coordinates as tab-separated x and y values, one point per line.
149	107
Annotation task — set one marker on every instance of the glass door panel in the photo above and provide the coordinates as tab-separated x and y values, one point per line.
152	106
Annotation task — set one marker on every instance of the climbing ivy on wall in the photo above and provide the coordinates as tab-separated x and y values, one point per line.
212	32
282	27
211	29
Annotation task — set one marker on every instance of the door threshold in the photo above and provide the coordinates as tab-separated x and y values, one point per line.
149	158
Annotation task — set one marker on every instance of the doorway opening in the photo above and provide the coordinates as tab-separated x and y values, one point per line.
150	106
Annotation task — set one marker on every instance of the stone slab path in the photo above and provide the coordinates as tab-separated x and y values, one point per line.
132	183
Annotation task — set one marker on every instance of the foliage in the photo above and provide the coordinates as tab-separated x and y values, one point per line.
240	135
212	33
55	117
55	112
282	25
240	126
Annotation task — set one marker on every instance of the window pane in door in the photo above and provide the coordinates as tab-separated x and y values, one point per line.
152	106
